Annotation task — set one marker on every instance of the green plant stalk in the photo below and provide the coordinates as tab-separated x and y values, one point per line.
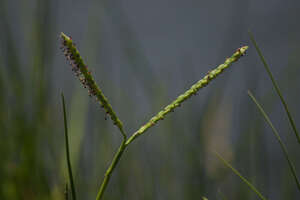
80	69
67	151
276	87
192	91
252	187
110	169
282	145
85	77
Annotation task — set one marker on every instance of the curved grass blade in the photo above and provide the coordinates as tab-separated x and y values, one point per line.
252	187
67	149
276	87
283	147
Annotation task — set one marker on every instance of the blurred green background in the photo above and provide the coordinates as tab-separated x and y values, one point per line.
143	54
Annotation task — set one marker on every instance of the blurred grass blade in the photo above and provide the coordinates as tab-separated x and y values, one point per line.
283	147
66	192
222	196
241	177
275	86
67	149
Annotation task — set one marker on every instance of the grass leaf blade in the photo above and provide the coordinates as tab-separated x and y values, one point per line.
221	195
67	149
275	86
252	187
66	192
283	147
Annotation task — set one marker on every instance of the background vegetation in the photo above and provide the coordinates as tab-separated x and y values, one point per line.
143	54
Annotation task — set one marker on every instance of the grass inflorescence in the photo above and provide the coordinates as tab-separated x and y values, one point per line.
81	71
85	77
192	91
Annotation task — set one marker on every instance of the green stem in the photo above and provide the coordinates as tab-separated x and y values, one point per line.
176	103
111	168
81	70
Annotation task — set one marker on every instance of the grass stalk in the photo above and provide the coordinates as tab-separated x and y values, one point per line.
176	103
85	77
67	151
252	187
110	170
282	145
291	120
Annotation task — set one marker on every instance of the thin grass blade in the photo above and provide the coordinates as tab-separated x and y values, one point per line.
67	149
221	195
292	122
283	147
66	192
252	187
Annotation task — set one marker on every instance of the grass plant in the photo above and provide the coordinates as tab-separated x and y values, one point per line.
85	77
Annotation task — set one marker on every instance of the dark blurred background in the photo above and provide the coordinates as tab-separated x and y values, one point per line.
143	54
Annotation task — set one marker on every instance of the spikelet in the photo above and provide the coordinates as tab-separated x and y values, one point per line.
192	91
84	75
